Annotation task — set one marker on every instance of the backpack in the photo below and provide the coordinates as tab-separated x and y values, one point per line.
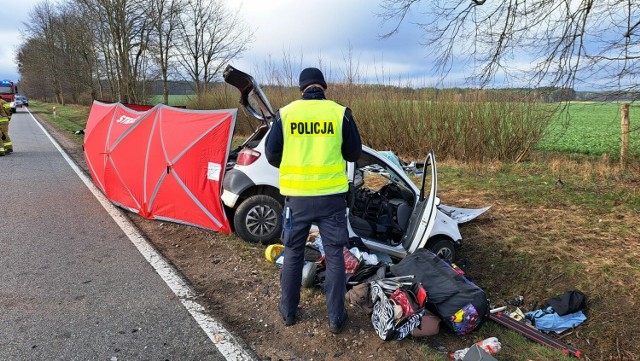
460	304
398	307
568	302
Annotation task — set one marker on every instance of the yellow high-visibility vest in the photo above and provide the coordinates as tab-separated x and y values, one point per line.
312	162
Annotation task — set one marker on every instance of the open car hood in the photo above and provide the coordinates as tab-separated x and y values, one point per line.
462	215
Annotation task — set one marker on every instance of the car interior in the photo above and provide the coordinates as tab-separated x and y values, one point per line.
380	203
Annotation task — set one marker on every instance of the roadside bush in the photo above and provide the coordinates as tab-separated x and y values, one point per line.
467	127
463	125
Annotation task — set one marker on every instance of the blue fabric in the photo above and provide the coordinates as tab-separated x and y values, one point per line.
547	320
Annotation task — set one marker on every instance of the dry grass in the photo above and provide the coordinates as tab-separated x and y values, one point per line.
541	239
468	126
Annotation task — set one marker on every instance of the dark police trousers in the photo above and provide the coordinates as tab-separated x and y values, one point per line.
329	214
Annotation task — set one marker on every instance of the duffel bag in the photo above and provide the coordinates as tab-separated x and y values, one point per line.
460	304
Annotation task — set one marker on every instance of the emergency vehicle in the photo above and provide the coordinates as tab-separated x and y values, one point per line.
8	92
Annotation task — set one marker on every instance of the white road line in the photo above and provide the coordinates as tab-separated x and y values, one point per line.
226	343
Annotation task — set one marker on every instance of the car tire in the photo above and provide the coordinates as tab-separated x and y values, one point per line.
259	219
444	248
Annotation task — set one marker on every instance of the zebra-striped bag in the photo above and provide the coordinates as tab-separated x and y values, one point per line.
391	319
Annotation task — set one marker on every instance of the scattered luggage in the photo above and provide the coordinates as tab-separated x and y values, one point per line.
461	304
398	307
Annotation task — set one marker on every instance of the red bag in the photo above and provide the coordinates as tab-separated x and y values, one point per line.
351	262
399	297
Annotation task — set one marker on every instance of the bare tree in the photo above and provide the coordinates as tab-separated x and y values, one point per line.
82	49
167	15
351	71
209	38
124	28
41	28
566	42
34	69
290	69
107	65
76	44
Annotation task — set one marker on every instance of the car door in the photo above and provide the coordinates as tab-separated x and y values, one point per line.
424	213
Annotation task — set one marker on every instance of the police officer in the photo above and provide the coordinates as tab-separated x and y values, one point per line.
310	141
5	115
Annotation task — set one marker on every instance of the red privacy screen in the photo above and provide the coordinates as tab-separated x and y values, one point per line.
165	163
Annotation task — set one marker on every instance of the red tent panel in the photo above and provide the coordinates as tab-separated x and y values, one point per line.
126	161
105	124
94	141
165	163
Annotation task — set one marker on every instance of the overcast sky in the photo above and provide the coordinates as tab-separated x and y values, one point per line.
327	30
14	13
307	31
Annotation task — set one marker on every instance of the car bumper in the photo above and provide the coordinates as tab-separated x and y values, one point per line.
229	198
234	183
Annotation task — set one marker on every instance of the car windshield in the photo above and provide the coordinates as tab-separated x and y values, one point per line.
377	173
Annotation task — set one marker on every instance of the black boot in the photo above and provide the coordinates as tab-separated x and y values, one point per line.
338	326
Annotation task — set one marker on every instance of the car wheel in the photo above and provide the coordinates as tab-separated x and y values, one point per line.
259	219
444	248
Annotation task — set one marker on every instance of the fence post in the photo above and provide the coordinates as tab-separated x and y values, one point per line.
624	147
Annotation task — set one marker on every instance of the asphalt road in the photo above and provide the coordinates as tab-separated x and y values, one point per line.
73	286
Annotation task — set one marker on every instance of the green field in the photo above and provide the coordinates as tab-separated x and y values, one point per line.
174	100
591	128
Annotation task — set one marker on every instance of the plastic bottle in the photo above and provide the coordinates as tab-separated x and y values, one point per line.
491	345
